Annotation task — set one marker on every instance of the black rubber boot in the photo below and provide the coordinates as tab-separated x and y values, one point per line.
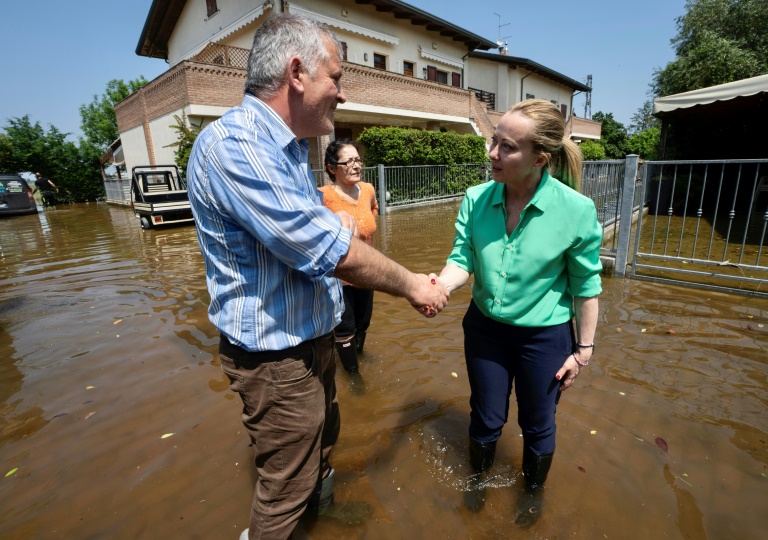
535	470
359	341
347	355
481	456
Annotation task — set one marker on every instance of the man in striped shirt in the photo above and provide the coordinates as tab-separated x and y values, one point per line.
273	254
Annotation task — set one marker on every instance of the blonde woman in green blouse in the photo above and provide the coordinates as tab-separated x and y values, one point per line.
532	242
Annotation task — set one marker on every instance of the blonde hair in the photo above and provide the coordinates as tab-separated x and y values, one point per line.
548	135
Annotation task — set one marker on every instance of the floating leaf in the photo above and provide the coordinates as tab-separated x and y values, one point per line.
760	325
622	393
167	435
87	416
593	432
618	329
118	321
670	331
643	331
454	374
90	387
661	443
9	473
582	469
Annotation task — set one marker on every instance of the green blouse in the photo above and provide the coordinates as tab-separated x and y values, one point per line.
529	278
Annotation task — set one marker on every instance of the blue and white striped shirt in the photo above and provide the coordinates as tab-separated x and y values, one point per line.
269	244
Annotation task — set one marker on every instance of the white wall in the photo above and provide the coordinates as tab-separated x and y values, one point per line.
134	148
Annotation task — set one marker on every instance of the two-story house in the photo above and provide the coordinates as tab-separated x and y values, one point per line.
402	67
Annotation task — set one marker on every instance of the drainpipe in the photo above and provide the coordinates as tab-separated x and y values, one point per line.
521	84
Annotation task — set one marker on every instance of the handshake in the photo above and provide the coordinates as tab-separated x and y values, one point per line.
432	296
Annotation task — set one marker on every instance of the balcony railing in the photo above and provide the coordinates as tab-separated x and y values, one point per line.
489	98
223	55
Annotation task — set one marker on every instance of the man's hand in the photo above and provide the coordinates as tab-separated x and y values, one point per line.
348	221
431	296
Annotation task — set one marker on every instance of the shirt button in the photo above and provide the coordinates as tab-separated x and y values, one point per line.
503	274
509	246
498	301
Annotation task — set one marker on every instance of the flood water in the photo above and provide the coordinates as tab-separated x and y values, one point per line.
117	422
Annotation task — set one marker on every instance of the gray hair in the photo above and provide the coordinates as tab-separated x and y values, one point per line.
280	37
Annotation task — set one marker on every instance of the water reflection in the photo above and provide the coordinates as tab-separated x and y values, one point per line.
105	347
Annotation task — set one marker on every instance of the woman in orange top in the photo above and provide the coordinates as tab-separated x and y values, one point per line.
348	192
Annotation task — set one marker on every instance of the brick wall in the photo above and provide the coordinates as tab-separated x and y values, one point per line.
205	84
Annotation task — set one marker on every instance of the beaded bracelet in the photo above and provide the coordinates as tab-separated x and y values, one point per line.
582	364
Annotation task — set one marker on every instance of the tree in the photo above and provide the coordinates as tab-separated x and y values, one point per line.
592	151
717	41
185	138
643	119
98	120
613	135
26	147
645	143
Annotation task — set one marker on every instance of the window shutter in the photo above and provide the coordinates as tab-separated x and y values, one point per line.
564	110
431	73
456	79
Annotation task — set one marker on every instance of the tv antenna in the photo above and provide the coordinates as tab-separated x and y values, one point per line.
500	40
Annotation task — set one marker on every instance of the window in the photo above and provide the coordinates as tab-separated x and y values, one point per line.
456	79
343	50
212	7
442	77
408	68
379	61
529	96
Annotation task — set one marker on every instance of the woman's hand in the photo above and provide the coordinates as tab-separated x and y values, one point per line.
568	373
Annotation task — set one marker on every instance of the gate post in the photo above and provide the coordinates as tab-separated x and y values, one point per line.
382	190
625	217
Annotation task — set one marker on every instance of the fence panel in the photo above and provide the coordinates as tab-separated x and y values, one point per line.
706	224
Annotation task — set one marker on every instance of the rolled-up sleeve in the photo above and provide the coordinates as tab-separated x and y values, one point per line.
583	257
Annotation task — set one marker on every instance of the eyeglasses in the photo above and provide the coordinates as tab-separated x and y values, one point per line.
350	162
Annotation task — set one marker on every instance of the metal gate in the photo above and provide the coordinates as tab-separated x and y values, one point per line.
704	224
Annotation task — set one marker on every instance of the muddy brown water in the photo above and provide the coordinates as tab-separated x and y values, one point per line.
105	347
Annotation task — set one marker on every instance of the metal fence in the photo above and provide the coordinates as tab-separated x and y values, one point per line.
118	191
699	223
418	184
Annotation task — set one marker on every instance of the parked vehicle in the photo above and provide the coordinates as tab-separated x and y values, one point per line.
159	196
15	196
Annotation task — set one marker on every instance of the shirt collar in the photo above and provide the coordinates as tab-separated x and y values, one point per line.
540	196
271	122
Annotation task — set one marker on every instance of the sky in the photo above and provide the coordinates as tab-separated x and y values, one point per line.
58	55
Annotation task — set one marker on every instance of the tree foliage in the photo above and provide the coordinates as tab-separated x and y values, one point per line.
717	41
185	138
405	146
613	136
645	143
27	147
592	151
643	119
98	120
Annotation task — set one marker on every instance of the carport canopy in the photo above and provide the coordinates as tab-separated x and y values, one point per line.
705	96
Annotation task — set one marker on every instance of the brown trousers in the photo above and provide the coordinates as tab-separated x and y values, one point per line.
292	416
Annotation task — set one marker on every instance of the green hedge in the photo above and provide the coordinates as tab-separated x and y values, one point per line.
405	146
